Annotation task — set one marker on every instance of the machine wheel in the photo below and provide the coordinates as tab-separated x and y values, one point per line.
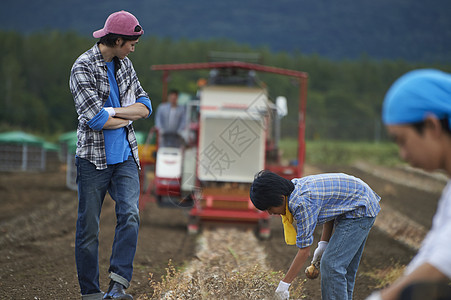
193	225
263	230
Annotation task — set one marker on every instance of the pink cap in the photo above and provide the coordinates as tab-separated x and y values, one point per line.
121	22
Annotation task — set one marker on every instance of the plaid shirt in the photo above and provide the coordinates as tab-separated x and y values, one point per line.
90	88
320	198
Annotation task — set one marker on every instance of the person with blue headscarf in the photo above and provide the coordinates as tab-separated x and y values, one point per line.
416	112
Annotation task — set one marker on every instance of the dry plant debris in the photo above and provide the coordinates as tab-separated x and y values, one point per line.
386	276
230	264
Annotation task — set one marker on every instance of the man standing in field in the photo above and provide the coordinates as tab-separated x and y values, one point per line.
108	97
346	206
417	113
170	121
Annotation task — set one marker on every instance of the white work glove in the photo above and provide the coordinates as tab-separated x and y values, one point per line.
111	112
319	251
374	296
282	292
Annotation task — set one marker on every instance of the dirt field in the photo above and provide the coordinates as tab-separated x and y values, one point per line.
37	229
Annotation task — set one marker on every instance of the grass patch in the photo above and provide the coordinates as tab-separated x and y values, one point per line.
254	283
230	264
343	152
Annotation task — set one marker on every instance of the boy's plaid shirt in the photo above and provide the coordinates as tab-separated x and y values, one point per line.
320	198
90	88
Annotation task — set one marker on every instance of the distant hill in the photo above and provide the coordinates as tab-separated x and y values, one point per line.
413	30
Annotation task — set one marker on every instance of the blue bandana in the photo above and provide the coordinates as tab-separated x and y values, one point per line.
417	94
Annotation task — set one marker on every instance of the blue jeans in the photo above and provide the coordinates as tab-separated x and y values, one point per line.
341	259
122	183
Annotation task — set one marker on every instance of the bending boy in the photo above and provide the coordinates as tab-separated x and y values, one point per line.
343	203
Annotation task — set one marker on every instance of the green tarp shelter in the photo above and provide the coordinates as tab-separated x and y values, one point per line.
20	151
67	144
68	147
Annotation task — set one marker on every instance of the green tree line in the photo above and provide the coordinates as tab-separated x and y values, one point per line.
344	97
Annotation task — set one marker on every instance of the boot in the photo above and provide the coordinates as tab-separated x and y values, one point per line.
116	291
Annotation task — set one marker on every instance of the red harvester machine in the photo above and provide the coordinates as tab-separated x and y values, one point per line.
232	132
